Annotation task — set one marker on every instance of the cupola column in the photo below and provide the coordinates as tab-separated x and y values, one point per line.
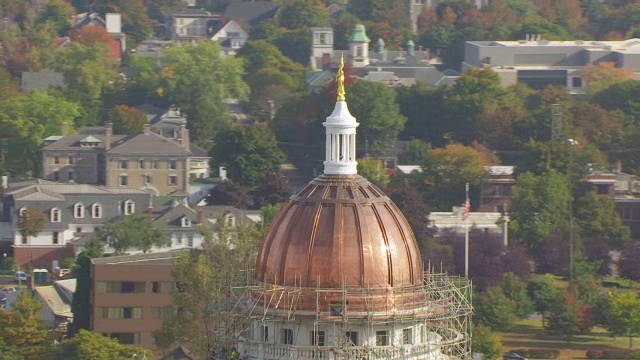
340	155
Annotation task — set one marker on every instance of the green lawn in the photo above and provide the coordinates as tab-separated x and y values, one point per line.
529	334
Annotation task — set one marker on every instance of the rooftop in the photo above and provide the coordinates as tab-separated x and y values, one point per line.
158	258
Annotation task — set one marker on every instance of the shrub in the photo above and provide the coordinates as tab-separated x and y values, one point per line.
611	354
537	353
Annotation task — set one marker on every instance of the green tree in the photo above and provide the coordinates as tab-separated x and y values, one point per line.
624	315
545	295
199	79
24	329
597	217
373	171
32	221
91	345
136	231
248	153
540	206
569	317
374	105
485	343
298	14
269	213
87	73
127	120
81	304
25	121
604	74
58	12
496	310
203	305
516	290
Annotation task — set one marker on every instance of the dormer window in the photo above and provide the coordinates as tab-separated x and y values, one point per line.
129	207
186	222
96	211
78	210
55	215
230	219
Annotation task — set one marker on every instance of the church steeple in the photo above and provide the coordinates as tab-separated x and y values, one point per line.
340	157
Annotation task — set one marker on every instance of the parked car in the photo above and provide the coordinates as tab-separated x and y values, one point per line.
513	356
20	276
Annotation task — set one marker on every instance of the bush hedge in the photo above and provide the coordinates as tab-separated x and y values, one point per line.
612	354
537	353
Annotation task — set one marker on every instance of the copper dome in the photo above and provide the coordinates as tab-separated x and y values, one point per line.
339	230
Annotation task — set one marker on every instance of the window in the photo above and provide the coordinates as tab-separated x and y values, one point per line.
287	336
23	239
382	338
56	160
161	312
96	211
55	215
317	338
147	179
190	240
179	240
129	207
124	180
141	164
123	164
407	336
56	175
576	82
186	222
122	313
155	164
173	164
78	230
161	287
55	238
323	38
173	180
120	287
423	334
78	210
70	175
265	333
72	160
353	337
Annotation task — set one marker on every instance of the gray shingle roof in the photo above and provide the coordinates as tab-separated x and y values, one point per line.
157	258
251	12
147	144
197	151
41	80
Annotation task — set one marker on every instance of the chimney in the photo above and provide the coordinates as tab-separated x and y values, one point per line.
146	128
184	137
108	134
199	217
150	211
619	167
65	128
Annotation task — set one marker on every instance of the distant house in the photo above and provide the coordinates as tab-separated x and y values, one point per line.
191	24
112	22
250	13
231	36
71	210
146	160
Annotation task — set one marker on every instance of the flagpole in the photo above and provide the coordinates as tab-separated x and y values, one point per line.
467	205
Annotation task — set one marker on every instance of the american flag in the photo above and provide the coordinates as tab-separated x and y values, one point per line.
467	205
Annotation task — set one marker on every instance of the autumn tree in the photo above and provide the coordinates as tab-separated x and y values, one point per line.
136	231
569	317
24	329
373	171
32	221
604	74
127	120
203	316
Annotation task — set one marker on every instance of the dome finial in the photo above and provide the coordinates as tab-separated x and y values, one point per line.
340	80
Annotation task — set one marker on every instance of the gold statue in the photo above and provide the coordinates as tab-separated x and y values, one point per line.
340	80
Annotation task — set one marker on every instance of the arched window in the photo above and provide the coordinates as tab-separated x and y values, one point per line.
78	210
96	211
129	207
55	215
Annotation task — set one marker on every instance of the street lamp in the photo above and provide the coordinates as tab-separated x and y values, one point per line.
571	143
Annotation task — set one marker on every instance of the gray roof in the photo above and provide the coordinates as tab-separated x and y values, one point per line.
148	143
52	297
56	191
250	12
211	211
192	12
72	142
197	151
172	215
41	80
156	258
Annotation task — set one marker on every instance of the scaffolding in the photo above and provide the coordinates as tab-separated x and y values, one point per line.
430	321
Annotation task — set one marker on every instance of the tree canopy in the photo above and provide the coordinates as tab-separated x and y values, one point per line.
136	231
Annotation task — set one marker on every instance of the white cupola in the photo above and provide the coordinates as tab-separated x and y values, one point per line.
340	157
